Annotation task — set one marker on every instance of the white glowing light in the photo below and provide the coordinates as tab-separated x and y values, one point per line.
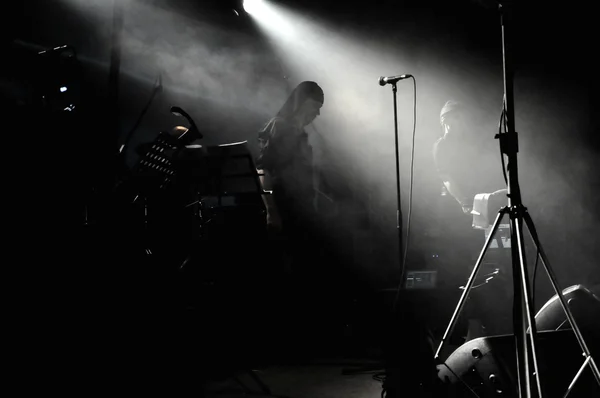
270	17
253	7
63	89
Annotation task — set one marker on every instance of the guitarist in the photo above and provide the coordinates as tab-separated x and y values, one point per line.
468	164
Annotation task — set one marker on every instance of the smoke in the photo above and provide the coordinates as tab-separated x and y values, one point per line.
200	57
227	76
558	173
209	64
357	120
356	123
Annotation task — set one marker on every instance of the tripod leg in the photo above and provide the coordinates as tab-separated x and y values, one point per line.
465	293
523	313
558	291
242	385
247	391
585	363
265	389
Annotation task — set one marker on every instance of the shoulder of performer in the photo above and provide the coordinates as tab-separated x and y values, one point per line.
277	127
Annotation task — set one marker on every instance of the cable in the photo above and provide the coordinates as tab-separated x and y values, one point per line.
406	245
412	173
500	125
410	189
535	267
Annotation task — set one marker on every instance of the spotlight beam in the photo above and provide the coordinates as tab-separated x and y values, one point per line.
253	7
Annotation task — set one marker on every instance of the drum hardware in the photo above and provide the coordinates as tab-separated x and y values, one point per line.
224	187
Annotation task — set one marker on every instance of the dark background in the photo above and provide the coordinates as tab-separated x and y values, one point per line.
59	164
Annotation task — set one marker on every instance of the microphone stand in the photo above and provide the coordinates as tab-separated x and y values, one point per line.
114	70
524	326
398	195
369	368
156	90
122	171
393	80
194	131
404	327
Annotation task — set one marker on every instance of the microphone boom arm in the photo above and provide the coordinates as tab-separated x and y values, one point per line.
178	111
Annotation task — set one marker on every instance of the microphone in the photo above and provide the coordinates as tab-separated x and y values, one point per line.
392	79
177	111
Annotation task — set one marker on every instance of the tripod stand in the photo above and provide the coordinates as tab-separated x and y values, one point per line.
524	327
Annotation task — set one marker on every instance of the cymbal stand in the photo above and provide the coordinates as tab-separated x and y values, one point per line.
146	233
197	217
198	223
524	327
146	227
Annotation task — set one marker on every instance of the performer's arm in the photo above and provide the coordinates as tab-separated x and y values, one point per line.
273	218
457	193
496	201
443	160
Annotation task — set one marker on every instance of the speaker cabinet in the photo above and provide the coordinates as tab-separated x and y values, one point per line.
487	366
584	305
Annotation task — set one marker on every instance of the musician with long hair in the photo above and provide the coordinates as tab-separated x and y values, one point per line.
285	160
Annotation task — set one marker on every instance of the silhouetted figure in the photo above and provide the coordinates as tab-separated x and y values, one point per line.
465	161
286	159
468	163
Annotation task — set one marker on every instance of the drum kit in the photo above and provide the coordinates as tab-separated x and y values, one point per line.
188	191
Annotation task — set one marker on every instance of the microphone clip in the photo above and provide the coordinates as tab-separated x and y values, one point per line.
392	79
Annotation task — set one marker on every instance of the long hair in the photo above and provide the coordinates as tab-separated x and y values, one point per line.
302	92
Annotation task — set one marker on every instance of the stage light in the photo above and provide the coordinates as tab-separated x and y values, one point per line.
253	6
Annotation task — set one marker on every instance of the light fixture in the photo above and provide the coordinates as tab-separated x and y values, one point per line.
252	6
